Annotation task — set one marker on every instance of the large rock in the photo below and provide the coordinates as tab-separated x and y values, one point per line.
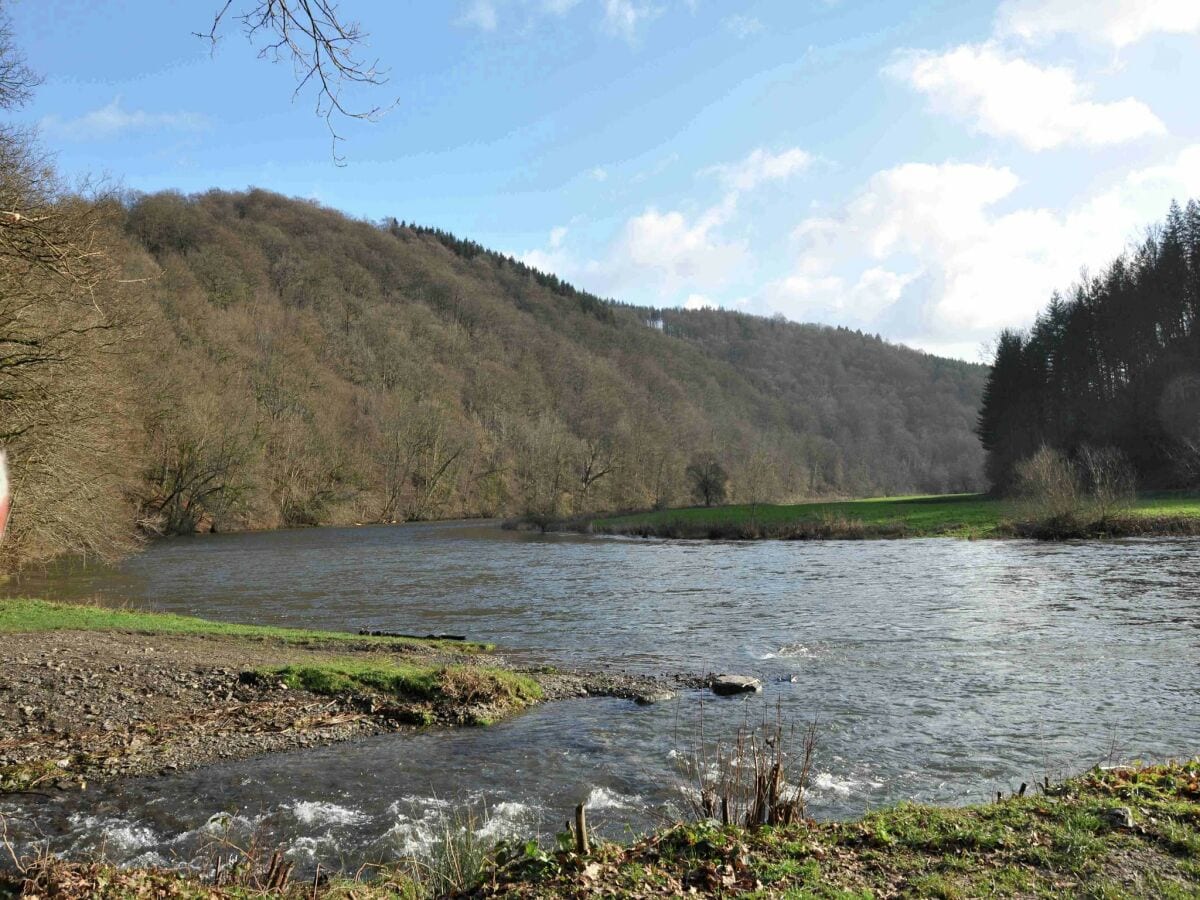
735	684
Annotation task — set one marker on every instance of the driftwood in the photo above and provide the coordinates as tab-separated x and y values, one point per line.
367	632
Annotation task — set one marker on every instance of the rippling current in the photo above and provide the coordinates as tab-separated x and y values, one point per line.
937	670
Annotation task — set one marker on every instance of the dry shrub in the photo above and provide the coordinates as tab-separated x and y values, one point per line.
753	779
1063	496
1109	481
1047	485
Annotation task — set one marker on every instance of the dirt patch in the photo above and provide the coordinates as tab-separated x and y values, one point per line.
78	706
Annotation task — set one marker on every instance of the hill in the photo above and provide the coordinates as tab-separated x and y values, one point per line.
283	364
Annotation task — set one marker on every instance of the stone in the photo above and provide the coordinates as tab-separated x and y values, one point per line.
735	684
1119	817
651	697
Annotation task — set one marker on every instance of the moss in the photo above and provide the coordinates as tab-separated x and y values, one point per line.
462	688
26	776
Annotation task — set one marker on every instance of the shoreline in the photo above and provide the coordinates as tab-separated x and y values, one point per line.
963	516
1120	832
815	530
100	694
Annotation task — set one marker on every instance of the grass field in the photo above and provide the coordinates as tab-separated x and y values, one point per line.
954	515
21	615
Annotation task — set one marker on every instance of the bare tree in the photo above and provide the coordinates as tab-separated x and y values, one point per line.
321	45
17	80
63	320
708	478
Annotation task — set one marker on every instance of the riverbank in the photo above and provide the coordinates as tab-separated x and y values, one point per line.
970	516
89	693
1125	832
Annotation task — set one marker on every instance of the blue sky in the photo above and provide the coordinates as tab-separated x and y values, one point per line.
927	170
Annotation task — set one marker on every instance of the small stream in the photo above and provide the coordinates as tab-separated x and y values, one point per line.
937	670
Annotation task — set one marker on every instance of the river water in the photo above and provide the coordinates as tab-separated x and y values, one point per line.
936	670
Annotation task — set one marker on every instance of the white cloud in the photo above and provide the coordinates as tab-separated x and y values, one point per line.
742	27
598	173
922	248
833	296
481	14
624	17
698	301
1004	96
654	257
486	15
669	252
762	166
1118	23
113	120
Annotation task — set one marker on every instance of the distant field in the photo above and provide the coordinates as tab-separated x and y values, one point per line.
954	515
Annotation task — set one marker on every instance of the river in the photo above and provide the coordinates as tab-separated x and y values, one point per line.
937	670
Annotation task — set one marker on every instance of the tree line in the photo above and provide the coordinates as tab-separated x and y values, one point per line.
1114	365
247	360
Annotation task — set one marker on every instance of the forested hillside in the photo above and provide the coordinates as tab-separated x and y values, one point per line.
275	363
1114	365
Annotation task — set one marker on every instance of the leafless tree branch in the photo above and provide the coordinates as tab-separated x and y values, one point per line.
322	47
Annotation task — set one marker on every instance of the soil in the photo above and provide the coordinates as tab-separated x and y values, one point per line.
80	706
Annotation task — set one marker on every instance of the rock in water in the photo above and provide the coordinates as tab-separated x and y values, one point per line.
735	684
651	697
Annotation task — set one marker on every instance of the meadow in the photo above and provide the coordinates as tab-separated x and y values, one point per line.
941	515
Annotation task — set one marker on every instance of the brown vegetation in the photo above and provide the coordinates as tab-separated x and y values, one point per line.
284	365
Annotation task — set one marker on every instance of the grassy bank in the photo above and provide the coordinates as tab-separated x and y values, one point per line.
1117	833
90	693
23	615
1107	834
949	515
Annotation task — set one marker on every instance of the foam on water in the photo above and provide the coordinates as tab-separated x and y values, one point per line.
843	787
508	819
318	812
119	836
603	798
794	650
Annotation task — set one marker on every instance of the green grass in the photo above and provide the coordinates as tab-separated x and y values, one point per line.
965	514
1168	505
413	683
1057	843
22	615
952	515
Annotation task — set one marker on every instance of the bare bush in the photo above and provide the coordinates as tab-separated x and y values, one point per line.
1047	483
1108	480
753	779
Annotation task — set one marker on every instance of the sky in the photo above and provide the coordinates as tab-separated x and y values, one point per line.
928	171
